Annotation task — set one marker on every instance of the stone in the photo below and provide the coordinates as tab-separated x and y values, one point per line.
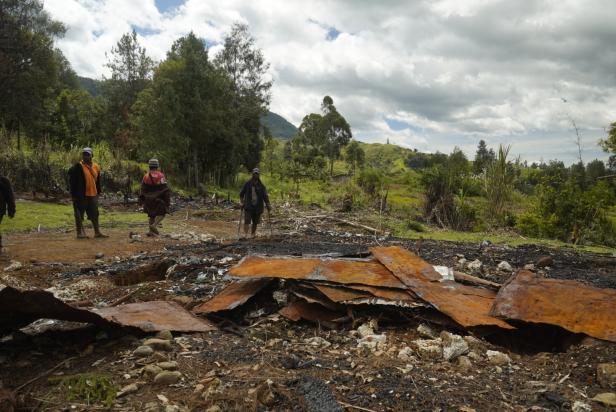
152	407
453	345
152	370
405	354
182	300
544	261
426	331
213	408
127	389
474	356
159	357
606	375
159	344
530	266
165	335
317	341
606	398
498	358
198	389
464	364
99	255
475	266
280	297
505	267
265	395
367	329
167	377
462	262
168	366
143	351
15	265
579	406
428	348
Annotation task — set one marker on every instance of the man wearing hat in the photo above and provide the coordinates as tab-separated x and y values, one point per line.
252	199
155	196
84	180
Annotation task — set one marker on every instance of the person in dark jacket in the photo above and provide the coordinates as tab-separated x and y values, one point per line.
252	199
85	186
7	201
155	196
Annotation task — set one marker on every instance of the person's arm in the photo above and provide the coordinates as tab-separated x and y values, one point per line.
242	193
72	181
266	199
9	196
98	180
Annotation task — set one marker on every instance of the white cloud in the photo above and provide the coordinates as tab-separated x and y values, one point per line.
455	71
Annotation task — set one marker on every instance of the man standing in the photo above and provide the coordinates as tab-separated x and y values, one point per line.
252	198
7	201
84	180
155	196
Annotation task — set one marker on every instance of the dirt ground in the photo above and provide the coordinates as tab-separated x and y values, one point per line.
258	360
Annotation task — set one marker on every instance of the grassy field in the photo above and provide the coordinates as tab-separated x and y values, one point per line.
32	216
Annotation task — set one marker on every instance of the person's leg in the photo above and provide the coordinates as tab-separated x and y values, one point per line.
155	223
256	218
93	215
247	220
78	211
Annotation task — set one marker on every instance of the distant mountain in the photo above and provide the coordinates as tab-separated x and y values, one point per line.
279	126
90	85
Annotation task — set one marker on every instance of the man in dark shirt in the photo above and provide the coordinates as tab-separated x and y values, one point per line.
7	201
252	199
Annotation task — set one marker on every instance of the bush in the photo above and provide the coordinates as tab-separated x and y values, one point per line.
372	181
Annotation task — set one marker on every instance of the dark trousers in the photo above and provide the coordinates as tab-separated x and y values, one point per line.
87	206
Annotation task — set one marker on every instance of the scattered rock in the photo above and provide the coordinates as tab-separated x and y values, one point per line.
606	375
475	266
159	357
464	363
143	351
127	389
426	331
280	297
606	398
318	341
498	358
168	366
213	408
530	266
372	342
505	267
367	329
15	265
165	335
159	344
462	262
544	261
167	377
151	407
453	345
182	300
579	406
151	370
405	354
199	389
428	348
99	255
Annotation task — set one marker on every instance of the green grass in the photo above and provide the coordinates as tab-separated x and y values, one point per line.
55	216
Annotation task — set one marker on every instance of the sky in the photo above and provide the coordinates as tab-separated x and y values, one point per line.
429	75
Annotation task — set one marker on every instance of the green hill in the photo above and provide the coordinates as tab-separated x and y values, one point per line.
90	85
279	126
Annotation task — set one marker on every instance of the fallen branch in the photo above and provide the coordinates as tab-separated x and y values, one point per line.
464	278
348	405
126	297
42	375
353	224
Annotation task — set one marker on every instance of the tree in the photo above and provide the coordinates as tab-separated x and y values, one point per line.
303	160
337	131
483	158
594	170
354	156
131	72
30	67
188	116
609	143
270	148
245	64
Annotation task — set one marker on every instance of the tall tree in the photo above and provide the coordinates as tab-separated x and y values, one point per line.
245	64
337	131
30	67
609	145
187	116
131	71
354	155
483	158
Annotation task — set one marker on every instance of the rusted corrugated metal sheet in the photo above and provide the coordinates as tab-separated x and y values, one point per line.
571	305
19	308
155	316
370	295
341	294
234	295
300	309
469	306
363	272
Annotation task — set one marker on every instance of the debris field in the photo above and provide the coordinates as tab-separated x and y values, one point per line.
311	318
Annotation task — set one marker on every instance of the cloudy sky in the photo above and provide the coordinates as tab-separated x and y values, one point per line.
426	74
